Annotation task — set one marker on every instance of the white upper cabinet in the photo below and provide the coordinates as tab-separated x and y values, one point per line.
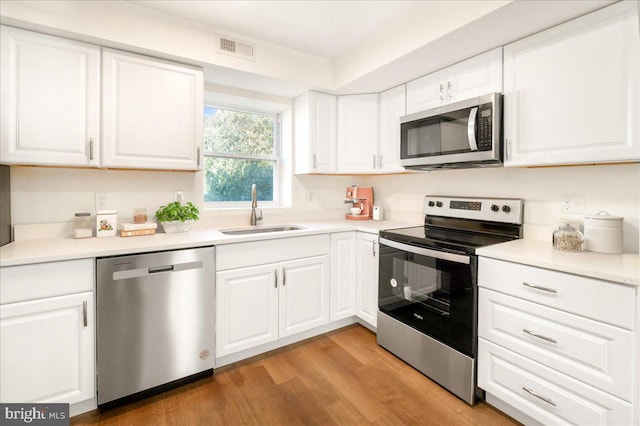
392	106
358	133
50	104
315	133
571	93
152	113
477	76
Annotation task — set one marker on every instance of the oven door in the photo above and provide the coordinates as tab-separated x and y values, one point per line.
433	291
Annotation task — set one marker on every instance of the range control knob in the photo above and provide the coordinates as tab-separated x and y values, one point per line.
431	204
438	203
506	209
495	208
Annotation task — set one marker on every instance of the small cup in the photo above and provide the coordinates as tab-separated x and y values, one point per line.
355	211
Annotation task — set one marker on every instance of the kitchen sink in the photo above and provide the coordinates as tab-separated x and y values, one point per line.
260	229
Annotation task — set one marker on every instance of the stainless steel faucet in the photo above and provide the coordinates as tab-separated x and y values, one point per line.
255	216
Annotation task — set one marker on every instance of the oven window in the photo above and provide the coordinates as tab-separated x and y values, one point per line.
436	297
445	134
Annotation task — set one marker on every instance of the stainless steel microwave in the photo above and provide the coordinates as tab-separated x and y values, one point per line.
459	135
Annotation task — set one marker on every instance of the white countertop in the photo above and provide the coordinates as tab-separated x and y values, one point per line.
619	268
56	249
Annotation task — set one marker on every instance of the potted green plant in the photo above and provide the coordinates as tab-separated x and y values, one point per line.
177	217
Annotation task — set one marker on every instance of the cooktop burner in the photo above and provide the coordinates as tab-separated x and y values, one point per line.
463	224
445	239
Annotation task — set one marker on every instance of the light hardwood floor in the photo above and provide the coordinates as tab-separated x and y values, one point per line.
340	378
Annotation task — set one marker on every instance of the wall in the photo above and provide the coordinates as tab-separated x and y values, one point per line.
43	195
53	195
613	188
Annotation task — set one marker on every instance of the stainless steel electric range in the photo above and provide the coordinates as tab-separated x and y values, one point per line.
427	295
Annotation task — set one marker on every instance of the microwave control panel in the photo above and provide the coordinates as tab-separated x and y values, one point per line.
485	129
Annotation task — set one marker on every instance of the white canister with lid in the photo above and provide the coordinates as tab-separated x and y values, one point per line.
106	223
603	233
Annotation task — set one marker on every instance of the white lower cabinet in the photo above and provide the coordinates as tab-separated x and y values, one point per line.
47	350
304	295
556	347
343	275
268	290
367	279
47	337
246	308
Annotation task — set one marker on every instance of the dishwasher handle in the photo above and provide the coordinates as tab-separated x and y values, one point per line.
158	269
152	270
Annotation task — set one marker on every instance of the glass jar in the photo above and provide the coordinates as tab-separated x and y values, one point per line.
82	225
567	238
140	215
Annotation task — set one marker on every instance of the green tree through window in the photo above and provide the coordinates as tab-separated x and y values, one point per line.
240	150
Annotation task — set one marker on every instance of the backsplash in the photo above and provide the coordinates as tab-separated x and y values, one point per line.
613	188
45	195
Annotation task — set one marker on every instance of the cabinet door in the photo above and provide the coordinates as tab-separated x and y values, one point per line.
357	133
367	278
477	76
343	275
392	107
565	103
322	132
426	92
152	114
304	294
246	308
50	105
47	350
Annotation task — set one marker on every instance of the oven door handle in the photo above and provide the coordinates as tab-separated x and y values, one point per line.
436	254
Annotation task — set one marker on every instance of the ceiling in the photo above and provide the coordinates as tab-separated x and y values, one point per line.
321	28
371	45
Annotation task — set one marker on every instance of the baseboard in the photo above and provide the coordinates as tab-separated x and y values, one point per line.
248	353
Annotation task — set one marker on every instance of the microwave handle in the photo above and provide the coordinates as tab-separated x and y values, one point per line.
471	129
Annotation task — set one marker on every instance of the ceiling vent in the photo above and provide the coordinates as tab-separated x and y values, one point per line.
239	49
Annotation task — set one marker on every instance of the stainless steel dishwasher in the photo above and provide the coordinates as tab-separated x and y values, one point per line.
155	319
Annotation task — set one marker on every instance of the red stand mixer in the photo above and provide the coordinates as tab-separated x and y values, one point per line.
361	200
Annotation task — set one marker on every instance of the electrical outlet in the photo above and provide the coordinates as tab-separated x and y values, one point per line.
308	196
572	204
101	200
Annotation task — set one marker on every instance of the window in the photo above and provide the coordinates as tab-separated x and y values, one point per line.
240	148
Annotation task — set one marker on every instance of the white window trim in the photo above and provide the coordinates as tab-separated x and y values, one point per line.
276	158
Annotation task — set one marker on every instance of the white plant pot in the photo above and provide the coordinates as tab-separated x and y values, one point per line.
176	226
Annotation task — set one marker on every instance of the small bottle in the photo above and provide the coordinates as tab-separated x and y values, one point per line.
567	238
82	225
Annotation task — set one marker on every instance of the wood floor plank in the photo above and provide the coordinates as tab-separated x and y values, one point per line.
340	378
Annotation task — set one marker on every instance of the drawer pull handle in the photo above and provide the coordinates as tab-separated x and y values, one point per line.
85	322
539	336
537	287
547	400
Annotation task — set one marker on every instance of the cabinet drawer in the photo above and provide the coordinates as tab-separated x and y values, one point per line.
595	353
600	300
240	255
40	280
545	394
